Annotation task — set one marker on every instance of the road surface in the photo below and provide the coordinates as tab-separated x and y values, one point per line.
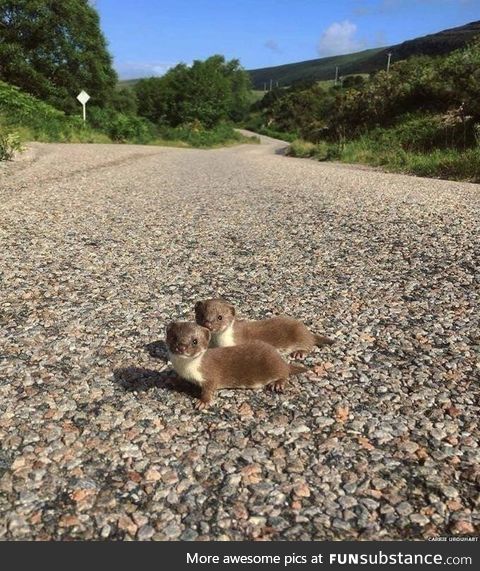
103	245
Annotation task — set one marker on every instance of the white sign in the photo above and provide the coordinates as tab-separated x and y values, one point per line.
83	97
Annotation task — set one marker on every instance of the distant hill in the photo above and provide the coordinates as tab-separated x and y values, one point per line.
366	61
127	82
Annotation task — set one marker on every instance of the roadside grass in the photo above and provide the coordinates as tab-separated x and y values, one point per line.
451	164
417	144
282	135
193	135
304	149
24	118
9	145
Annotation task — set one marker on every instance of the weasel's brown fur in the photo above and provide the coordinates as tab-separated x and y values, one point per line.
283	333
249	366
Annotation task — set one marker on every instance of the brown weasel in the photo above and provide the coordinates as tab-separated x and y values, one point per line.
283	333
248	366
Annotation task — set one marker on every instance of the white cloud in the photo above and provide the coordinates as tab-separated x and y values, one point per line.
339	38
272	45
134	70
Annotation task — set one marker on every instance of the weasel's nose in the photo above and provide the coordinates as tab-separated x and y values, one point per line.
181	348
208	325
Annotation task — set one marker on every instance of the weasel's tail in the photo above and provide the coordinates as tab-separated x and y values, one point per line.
321	340
297	369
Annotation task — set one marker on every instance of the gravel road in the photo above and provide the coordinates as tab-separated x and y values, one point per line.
102	245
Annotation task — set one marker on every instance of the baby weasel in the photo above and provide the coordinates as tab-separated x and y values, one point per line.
248	366
283	333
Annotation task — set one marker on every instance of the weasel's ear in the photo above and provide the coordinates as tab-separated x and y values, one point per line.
207	334
169	329
232	309
198	306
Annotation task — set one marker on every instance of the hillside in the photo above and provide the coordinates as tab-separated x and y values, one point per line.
366	61
127	82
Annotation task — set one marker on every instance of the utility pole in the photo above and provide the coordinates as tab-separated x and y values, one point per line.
264	86
336	75
277	82
388	61
271	84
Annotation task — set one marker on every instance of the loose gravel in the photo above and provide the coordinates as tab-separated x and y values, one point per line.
102	245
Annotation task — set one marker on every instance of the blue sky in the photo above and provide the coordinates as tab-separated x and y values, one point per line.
147	36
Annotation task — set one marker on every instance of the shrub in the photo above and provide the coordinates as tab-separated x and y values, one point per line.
121	127
39	121
9	145
196	135
304	149
301	149
209	91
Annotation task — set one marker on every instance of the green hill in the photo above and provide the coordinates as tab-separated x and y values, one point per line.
127	82
366	61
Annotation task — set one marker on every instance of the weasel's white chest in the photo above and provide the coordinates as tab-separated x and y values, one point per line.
224	338
188	368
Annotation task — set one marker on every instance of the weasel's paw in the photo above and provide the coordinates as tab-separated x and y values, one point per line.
298	354
201	405
277	386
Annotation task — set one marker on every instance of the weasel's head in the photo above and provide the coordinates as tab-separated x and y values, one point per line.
214	314
186	339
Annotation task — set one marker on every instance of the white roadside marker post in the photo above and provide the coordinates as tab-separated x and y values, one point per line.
83	97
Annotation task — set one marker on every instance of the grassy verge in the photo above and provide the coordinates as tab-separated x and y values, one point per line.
25	118
452	164
448	163
255	123
283	136
195	136
306	150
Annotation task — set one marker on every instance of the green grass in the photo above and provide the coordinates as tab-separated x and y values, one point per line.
25	118
306	150
255	124
9	145
322	69
34	120
418	144
450	164
127	83
195	136
257	95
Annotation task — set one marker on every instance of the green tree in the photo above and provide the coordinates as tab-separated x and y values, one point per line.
53	49
124	100
207	91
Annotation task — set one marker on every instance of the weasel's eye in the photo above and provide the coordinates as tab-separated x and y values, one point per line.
195	341
219	318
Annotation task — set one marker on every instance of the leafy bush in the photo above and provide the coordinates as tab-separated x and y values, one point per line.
195	135
40	121
35	120
421	118
9	145
321	151
255	123
209	91
435	100
121	127
301	149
